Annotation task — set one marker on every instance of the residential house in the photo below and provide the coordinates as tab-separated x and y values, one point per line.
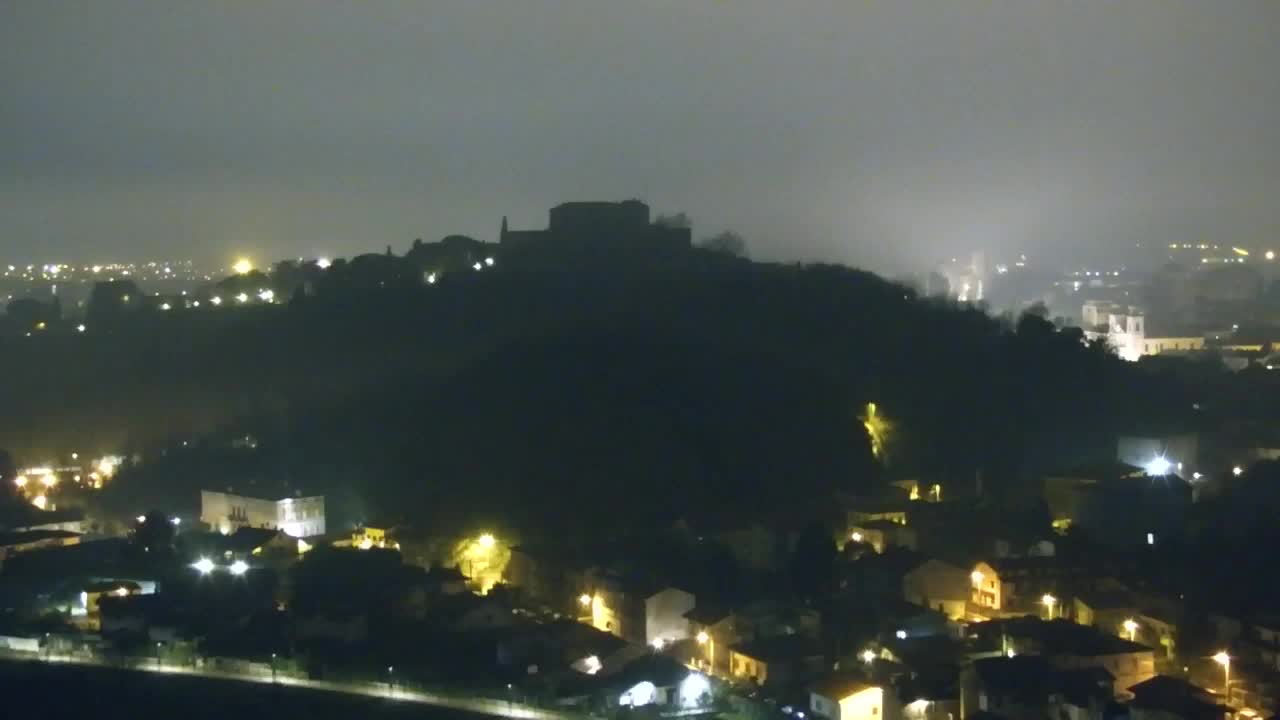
466	612
1031	688
651	680
712	627
638	609
441	580
847	696
881	534
1168	698
1068	646
940	586
775	661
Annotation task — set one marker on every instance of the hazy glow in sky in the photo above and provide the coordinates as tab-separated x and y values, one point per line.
858	131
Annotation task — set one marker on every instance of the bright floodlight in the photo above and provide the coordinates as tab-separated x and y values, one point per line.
477	266
1158	466
324	263
141	518
215	300
658	643
868	656
203	565
1237	471
488	261
584	599
239	567
486	541
703	637
1222	658
242	266
266	295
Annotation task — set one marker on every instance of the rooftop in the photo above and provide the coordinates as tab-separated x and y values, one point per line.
1057	637
840	685
779	649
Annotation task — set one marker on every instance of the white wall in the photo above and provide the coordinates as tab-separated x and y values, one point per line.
664	615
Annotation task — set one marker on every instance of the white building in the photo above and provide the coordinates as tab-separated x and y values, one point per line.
296	516
1123	326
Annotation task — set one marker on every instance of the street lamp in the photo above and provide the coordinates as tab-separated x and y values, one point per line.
391	680
273	668
868	656
1049	601
1131	627
157	656
1223	659
204	566
710	644
584	600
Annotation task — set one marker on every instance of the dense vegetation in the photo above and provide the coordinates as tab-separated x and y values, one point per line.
598	393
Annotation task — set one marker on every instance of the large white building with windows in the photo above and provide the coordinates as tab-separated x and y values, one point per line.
296	516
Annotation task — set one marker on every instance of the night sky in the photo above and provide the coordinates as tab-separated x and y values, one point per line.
874	133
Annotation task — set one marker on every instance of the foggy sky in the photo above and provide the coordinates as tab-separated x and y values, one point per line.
863	132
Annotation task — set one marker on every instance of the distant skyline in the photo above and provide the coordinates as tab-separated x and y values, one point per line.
877	134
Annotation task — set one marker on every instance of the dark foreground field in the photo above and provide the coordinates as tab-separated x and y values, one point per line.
32	689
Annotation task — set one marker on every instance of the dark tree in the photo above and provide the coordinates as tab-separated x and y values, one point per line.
8	470
813	561
726	243
154	533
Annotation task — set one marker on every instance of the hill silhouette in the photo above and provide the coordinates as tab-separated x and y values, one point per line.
590	392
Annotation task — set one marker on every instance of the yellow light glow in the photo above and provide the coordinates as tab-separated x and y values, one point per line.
878	430
486	541
1271	255
40	501
49	480
976	576
1222	658
1131	627
868	656
107	467
584	600
121	591
856	537
1240	251
243	266
703	637
365	544
20	481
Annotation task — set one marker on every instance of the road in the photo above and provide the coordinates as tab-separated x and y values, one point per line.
481	706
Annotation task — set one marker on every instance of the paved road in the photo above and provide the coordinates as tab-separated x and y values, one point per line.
483	706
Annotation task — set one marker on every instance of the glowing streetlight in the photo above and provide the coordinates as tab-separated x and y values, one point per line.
976	576
488	261
1237	471
49	480
1131	627
584	600
1158	466
868	656
1223	659
323	263
659	643
703	637
40	501
431	279
243	266
486	541
242	298
204	566
856	537
239	567
266	295
215	300
1049	601
20	481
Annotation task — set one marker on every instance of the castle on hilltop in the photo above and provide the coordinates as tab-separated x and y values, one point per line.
597	231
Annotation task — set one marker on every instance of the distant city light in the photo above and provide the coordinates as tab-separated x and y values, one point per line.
1158	466
242	298
856	537
488	261
431	279
166	306
477	266
1151	538
215	300
584	600
868	656
324	263
901	634
239	567
1271	255
176	520
1237	471
80	327
203	565
49	480
141	518
242	266
20	481
266	295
